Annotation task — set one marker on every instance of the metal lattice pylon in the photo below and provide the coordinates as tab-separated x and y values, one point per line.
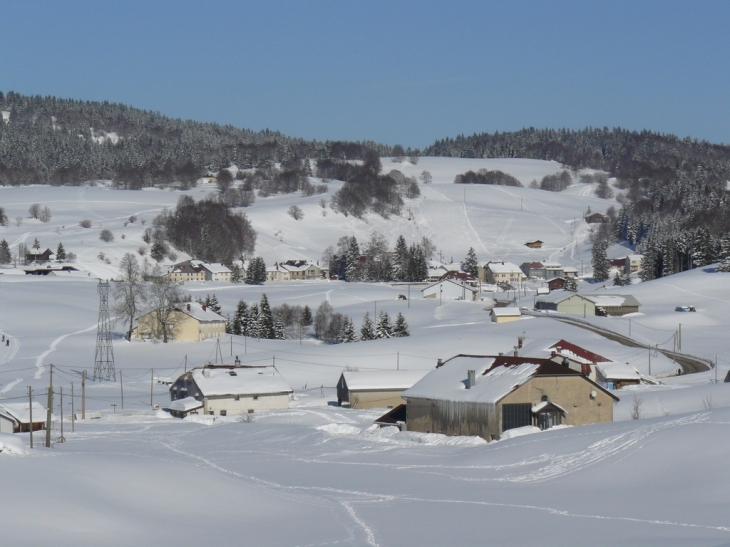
104	358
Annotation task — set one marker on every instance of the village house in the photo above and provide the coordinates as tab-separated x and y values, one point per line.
189	321
532	269
552	270
375	388
569	271
596	218
49	270
450	290
556	283
45	256
504	315
503	272
294	270
488	395
537	244
617	263
462	277
588	304
215	271
17	416
189	270
632	264
228	390
576	357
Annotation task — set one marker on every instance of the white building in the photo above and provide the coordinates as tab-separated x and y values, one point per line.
215	271
227	390
450	290
503	272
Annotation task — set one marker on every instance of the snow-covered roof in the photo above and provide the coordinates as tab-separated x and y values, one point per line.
506	312
556	296
634	258
460	285
504	267
240	381
185	405
383	379
570	269
448	382
20	411
618	371
215	267
196	311
552	265
612	300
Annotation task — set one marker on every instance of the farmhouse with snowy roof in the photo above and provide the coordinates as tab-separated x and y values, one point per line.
17	416
503	272
488	395
588	304
189	321
188	270
375	388
293	270
228	390
215	271
45	256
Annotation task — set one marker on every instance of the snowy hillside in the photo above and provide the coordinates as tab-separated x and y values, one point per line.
320	475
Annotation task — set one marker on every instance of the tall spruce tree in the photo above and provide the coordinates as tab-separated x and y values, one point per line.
367	331
400	259
5	256
400	327
384	328
239	318
353	260
306	318
347	332
60	252
599	261
470	263
266	319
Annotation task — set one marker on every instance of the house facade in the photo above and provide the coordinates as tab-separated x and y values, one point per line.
375	388
294	270
215	271
228	390
488	395
503	272
191	321
633	264
188	270
45	256
588	304
505	315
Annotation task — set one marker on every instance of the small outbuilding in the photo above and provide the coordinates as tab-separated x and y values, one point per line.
180	408
556	283
617	375
588	304
375	388
537	244
505	315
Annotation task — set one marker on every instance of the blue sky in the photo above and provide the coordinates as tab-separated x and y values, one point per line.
394	72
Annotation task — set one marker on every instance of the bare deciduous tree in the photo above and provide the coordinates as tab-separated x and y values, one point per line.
34	210
129	290
162	296
636	407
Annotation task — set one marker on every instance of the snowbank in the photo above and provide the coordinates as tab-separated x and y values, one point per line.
10	444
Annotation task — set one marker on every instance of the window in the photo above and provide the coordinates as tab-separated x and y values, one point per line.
548	419
223	413
255	397
516	415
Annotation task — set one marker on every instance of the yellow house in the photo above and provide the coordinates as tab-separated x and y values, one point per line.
190	322
505	315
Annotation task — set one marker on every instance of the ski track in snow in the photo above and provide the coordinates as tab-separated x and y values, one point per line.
11	385
476	234
52	348
368	531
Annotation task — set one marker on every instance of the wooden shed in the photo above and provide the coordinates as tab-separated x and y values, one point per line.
505	315
487	395
375	388
537	244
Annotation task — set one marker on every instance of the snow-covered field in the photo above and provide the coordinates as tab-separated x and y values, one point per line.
321	475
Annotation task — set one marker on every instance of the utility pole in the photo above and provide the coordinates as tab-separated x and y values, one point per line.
649	360
231	345
121	385
186	363
48	417
629	327
397	361
51	375
152	383
30	410
409	295
61	439
680	337
73	416
83	395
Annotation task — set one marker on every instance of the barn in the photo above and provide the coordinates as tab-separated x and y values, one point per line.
488	395
588	304
375	388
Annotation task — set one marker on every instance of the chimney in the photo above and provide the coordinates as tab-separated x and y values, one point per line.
204	307
471	379
553	354
565	361
517	353
520	340
188	307
439	363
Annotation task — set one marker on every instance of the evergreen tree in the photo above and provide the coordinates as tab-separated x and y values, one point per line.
400	328
386	269
5	256
266	319
253	321
212	303
353	260
599	261
384	328
306	317
470	263
36	244
570	284
256	272
400	259
3	217
279	333
229	326
723	267
240	318
347	332
60	252
366	329
236	274
617	281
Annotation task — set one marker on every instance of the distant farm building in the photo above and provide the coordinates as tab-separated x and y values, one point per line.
450	290
488	395
189	321
537	244
45	256
556	283
49	270
596	218
18	416
375	388
505	315
222	390
294	270
588	304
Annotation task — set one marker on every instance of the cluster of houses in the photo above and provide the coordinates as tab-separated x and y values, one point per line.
296	270
198	270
